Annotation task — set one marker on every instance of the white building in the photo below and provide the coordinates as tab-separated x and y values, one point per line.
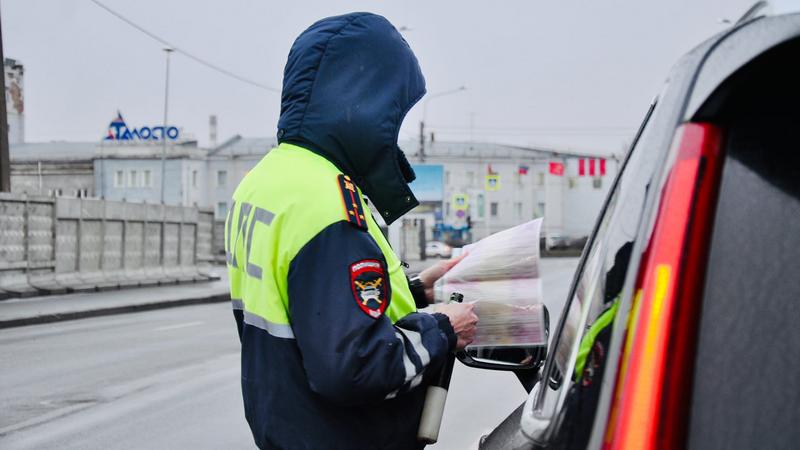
498	186
53	168
227	164
15	100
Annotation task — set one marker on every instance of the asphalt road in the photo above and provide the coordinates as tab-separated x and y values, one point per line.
170	379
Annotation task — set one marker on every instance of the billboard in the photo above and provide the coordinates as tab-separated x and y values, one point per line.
118	130
429	185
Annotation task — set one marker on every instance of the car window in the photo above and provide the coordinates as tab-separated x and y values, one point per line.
575	365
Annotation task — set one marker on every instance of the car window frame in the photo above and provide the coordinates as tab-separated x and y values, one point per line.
534	407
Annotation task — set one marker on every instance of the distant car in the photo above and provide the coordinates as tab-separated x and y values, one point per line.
556	241
681	327
436	248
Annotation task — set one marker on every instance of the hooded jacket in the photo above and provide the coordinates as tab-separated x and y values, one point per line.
348	84
334	354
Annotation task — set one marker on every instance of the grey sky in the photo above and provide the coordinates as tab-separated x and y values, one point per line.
569	75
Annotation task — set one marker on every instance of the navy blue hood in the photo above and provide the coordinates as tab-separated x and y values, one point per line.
348	84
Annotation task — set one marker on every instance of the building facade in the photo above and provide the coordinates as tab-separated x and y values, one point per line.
227	164
490	187
15	100
133	172
53	168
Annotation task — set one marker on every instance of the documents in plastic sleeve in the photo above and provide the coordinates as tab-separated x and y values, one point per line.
500	274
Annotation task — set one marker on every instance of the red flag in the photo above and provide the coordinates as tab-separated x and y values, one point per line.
602	167
491	172
591	167
557	168
581	167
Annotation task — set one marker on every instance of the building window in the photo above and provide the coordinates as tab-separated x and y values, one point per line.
493	206
518	209
222	178
133	180
194	178
148	178
447	209
541	209
597	182
470	178
540	176
481	206
518	178
222	210
119	178
447	178
571	182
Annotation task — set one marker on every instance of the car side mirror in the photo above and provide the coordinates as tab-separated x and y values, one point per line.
507	357
503	358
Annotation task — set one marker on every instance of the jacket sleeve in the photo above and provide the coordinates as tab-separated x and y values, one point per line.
352	354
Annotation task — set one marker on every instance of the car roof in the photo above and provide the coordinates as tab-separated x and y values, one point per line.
727	52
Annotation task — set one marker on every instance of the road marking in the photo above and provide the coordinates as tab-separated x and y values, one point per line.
180	325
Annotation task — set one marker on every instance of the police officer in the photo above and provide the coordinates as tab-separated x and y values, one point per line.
334	352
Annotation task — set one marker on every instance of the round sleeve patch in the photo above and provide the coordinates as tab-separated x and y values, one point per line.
370	286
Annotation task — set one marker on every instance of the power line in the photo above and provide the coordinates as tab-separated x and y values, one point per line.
191	56
533	129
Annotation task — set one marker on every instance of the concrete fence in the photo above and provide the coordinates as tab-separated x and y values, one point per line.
57	245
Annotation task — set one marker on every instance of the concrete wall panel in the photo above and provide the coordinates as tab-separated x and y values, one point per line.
112	245
152	245
134	245
187	244
40	233
170	245
67	246
91	242
12	232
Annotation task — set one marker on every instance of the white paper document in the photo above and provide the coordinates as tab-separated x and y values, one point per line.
500	274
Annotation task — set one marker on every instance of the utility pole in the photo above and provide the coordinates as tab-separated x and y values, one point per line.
5	163
167	51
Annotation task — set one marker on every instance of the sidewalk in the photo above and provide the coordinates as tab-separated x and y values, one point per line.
55	308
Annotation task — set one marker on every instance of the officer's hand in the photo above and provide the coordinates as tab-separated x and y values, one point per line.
463	319
436	271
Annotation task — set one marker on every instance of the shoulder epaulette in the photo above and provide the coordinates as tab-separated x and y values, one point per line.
351	199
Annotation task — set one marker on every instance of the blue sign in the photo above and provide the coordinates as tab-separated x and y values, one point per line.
429	185
118	130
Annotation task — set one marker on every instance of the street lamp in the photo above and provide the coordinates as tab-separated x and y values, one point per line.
167	52
425	116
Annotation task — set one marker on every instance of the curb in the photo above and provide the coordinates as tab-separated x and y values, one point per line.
85	314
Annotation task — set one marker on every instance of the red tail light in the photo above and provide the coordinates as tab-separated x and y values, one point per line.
650	405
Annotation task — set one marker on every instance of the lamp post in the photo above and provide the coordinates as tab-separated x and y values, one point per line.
5	162
425	116
167	52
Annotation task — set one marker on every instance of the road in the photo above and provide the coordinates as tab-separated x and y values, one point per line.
170	379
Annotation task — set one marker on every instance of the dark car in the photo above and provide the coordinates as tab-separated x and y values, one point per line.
682	326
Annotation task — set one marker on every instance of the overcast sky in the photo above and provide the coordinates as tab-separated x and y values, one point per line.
566	75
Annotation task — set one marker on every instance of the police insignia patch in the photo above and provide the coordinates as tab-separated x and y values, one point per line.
353	208
370	287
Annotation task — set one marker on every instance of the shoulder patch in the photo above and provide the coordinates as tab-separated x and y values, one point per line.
370	287
351	200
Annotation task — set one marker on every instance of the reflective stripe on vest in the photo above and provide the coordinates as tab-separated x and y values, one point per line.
290	196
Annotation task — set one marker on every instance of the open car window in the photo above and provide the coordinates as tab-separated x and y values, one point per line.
576	364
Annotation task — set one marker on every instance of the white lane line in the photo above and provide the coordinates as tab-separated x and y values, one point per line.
180	325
